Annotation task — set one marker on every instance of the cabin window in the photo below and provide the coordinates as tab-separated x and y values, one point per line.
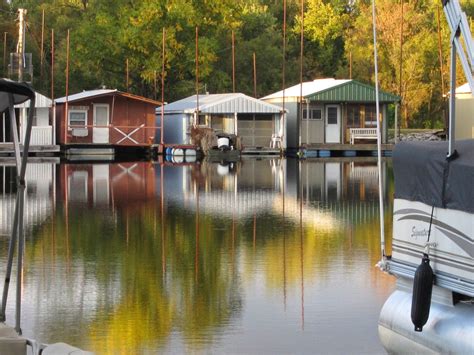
316	114
353	116
313	113
77	118
370	117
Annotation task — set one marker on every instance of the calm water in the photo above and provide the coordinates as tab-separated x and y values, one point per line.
260	256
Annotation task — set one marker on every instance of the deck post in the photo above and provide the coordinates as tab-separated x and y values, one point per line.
452	101
396	124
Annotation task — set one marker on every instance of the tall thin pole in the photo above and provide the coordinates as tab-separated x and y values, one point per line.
52	85
162	89
254	76
155	84
282	128
301	73
196	118
400	83
350	65
440	51
379	137
5	66
42	44
52	65
67	89
20	50
233	61
126	74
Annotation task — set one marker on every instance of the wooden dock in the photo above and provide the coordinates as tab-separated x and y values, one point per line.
262	151
6	149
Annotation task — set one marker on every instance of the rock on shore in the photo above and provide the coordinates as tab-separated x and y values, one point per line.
421	136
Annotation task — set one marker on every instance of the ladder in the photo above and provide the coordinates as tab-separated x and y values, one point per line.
459	26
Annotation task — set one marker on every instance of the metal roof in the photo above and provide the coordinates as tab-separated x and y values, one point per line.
104	92
84	95
309	87
41	101
332	90
463	89
221	103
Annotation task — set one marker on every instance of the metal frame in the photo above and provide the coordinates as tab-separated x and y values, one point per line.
459	25
17	230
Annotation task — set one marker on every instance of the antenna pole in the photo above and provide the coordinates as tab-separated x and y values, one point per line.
5	66
282	128
233	62
20	50
301	73
66	126
196	118
42	44
254	76
379	137
162	90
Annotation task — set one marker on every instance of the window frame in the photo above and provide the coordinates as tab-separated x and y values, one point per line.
76	110
311	110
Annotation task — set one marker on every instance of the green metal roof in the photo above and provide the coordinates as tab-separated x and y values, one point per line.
352	91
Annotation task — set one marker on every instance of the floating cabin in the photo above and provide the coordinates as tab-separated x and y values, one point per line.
334	112
42	137
464	112
255	121
107	119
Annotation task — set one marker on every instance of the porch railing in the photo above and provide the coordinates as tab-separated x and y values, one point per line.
41	135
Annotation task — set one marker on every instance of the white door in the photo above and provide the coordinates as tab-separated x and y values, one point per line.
333	124
100	133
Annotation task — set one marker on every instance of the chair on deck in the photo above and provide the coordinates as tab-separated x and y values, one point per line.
275	142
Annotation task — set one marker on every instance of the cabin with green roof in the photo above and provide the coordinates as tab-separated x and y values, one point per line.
338	111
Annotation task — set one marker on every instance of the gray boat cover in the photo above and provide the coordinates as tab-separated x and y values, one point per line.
422	173
21	93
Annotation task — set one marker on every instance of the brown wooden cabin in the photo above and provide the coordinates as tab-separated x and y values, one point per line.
105	117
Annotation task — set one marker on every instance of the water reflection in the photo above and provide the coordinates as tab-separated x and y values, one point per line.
253	256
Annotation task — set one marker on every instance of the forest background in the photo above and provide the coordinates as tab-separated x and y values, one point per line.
105	35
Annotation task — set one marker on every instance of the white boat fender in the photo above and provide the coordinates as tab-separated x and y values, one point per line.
422	287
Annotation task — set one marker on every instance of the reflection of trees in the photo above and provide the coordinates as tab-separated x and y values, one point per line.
128	288
130	302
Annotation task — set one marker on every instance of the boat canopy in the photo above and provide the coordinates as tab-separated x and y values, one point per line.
21	92
422	173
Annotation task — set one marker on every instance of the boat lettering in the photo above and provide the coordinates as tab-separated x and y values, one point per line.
417	233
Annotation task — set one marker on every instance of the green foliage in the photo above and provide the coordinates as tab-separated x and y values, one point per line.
338	36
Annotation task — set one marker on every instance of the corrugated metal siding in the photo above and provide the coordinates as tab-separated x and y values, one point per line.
40	101
222	103
352	91
240	104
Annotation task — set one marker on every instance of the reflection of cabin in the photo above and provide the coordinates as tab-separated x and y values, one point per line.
106	118
120	185
253	120
334	111
464	113
38	204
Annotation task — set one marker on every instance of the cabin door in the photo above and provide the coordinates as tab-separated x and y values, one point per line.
333	124
100	131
